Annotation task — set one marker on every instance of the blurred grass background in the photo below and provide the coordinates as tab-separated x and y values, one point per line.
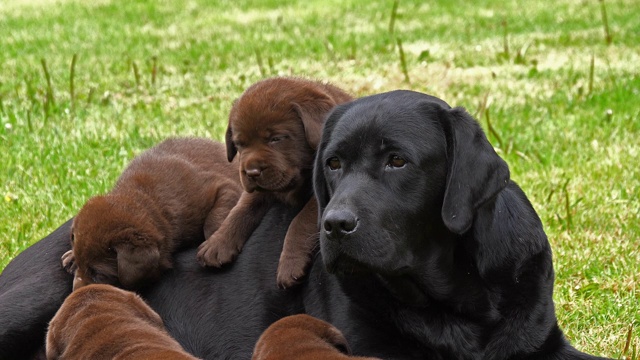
84	86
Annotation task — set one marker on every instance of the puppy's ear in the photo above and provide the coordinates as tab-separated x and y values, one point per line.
334	337
231	147
312	111
476	173
138	263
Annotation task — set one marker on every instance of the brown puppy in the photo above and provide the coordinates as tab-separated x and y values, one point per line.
274	128
180	190
103	322
302	337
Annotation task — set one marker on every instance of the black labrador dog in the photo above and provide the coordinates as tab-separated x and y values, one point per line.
427	251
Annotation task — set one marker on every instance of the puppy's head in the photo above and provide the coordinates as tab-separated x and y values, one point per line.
75	320
112	245
275	127
396	177
303	335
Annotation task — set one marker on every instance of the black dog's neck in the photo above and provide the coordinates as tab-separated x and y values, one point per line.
299	193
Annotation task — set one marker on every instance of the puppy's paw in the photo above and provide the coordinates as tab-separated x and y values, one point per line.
68	262
216	253
291	270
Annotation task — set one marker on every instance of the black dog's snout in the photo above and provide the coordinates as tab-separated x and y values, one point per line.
338	223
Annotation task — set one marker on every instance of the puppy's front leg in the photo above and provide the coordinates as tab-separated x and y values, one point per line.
301	238
226	243
226	200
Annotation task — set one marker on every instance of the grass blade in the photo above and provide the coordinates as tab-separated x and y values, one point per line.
154	70
605	23
394	13
492	130
591	69
403	62
136	73
49	102
72	74
263	73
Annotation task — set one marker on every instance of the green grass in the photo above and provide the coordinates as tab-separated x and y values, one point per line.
569	134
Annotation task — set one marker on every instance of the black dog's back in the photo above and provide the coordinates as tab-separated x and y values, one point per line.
220	313
32	287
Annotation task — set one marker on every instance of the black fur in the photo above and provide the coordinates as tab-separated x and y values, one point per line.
32	287
441	258
441	247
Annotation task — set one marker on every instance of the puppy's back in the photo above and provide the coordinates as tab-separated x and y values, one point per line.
104	322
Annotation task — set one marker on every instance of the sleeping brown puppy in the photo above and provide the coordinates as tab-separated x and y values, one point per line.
302	337
103	322
180	190
274	128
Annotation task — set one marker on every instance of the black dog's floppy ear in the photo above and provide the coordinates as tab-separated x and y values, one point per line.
137	263
476	173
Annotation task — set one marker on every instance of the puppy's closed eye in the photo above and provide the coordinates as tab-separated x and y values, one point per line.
277	138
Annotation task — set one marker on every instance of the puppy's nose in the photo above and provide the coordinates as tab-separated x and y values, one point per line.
253	173
338	223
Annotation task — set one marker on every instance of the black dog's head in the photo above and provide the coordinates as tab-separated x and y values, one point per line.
397	175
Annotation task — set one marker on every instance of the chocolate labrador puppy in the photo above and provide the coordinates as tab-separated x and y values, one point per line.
274	129
302	337
176	193
104	322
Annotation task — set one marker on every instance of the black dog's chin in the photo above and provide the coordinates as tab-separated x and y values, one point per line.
345	266
398	282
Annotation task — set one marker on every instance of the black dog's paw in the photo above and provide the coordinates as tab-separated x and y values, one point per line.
68	262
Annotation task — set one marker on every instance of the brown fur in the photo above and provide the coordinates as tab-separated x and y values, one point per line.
274	128
103	322
180	190
302	337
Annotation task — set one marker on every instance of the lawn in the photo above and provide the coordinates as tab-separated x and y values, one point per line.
86	85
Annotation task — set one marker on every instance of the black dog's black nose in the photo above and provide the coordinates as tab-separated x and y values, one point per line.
338	223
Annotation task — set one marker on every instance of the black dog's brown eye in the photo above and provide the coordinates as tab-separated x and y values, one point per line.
334	163
396	161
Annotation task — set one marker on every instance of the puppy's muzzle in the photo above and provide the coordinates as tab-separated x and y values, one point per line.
339	223
253	173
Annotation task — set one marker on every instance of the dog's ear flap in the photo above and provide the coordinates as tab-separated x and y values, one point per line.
312	112
334	337
231	147
319	181
138	263
476	173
